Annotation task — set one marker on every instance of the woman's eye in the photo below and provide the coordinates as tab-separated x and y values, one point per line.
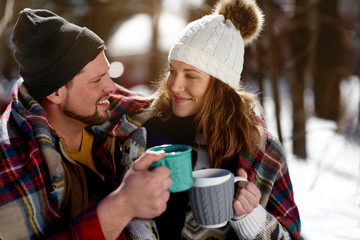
172	72
190	76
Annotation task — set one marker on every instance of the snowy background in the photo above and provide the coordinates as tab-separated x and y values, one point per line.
327	183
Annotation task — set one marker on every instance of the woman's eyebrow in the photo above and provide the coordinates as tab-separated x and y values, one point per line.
188	69
191	70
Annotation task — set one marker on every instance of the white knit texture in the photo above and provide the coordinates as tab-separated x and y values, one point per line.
213	46
142	229
249	226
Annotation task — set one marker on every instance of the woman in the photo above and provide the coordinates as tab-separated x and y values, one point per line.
200	103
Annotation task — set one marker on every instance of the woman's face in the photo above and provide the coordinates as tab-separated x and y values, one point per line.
187	86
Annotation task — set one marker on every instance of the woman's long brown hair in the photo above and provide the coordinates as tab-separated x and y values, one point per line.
227	120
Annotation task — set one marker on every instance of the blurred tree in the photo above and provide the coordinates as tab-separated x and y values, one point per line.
101	16
6	60
299	35
327	61
259	53
198	12
155	55
269	20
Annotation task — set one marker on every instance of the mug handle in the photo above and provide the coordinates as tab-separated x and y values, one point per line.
237	179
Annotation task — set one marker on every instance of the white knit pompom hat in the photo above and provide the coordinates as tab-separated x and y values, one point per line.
214	45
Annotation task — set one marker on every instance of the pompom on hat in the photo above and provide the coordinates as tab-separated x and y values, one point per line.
50	50
215	44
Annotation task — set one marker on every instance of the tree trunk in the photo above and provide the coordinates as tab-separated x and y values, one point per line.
299	45
259	53
260	70
155	56
327	61
273	66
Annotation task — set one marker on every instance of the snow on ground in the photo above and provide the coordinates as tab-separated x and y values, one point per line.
327	184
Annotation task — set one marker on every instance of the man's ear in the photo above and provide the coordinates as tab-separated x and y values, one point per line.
54	97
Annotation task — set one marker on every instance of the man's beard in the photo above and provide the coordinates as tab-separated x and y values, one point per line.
90	120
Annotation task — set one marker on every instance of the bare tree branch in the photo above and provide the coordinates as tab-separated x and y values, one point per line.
8	14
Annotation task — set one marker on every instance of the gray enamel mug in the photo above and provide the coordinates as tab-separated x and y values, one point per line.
212	195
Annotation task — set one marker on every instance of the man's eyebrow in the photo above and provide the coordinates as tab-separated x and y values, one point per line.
99	76
95	77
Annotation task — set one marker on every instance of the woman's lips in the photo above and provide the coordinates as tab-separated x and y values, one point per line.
178	99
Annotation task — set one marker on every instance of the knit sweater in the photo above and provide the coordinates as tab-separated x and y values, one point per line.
276	217
42	190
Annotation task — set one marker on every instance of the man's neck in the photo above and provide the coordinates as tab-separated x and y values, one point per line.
68	128
73	139
71	134
70	131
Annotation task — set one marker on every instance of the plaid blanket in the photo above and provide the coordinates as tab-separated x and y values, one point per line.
267	168
34	196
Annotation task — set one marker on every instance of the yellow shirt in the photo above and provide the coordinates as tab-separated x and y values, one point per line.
84	156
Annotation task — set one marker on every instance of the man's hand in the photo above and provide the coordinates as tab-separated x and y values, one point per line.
142	194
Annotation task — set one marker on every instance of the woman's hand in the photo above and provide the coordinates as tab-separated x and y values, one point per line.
247	196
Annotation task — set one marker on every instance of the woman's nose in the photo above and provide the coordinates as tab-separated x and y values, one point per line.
177	84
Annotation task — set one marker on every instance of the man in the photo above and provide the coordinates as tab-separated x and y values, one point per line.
59	176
